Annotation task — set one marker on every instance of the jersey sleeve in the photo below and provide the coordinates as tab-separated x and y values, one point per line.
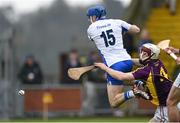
141	73
125	25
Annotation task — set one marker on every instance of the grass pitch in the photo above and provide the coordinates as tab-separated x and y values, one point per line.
85	119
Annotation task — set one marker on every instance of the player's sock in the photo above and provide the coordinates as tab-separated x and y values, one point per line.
129	95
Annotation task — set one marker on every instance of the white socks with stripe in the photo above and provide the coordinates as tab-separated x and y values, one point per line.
128	94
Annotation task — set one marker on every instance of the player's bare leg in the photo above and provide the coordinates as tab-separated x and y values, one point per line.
115	95
172	101
118	97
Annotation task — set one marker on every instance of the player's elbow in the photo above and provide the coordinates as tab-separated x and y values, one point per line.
122	76
171	102
134	29
114	104
116	101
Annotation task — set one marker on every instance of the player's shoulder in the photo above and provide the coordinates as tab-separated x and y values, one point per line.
157	63
99	22
161	64
117	20
91	27
145	67
160	61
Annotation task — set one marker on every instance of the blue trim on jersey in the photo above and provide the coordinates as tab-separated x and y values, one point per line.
124	29
103	59
123	66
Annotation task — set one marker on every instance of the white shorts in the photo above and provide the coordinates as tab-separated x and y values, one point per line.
161	114
177	81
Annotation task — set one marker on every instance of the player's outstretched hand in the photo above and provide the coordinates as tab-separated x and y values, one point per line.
172	49
101	66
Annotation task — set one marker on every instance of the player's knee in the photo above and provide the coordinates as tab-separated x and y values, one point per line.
171	102
113	104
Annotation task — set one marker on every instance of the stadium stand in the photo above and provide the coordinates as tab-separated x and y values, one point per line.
162	25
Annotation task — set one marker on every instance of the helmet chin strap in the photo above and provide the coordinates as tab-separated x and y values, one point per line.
98	18
144	62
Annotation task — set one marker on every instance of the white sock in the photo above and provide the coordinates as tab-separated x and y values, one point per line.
128	95
131	94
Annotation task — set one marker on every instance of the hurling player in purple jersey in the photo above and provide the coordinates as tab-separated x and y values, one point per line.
174	95
154	76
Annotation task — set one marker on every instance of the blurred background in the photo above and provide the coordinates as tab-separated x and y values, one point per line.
41	39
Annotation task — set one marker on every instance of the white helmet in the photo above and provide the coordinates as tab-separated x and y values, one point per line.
152	51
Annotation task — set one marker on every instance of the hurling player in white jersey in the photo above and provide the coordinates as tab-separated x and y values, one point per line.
174	95
107	35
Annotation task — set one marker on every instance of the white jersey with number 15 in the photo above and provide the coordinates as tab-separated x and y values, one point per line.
107	35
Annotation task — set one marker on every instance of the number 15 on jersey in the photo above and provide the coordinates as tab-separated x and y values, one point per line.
108	37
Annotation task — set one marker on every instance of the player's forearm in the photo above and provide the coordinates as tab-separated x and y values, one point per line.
174	50
115	74
177	51
134	29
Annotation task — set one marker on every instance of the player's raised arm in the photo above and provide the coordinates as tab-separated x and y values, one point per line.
116	74
130	28
174	50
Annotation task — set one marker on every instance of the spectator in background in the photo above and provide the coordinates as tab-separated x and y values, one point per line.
144	38
30	73
93	57
95	75
72	62
171	4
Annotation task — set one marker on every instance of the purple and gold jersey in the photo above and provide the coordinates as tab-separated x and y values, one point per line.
156	78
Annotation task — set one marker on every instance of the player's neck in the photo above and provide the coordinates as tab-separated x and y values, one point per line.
153	61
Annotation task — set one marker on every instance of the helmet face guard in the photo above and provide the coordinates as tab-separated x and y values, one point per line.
148	52
145	55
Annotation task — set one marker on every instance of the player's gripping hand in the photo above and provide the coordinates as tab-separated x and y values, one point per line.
140	93
101	66
139	90
172	49
139	83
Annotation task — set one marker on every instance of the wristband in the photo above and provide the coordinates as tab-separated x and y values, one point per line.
173	56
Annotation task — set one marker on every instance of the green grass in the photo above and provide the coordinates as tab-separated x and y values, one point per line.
87	119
